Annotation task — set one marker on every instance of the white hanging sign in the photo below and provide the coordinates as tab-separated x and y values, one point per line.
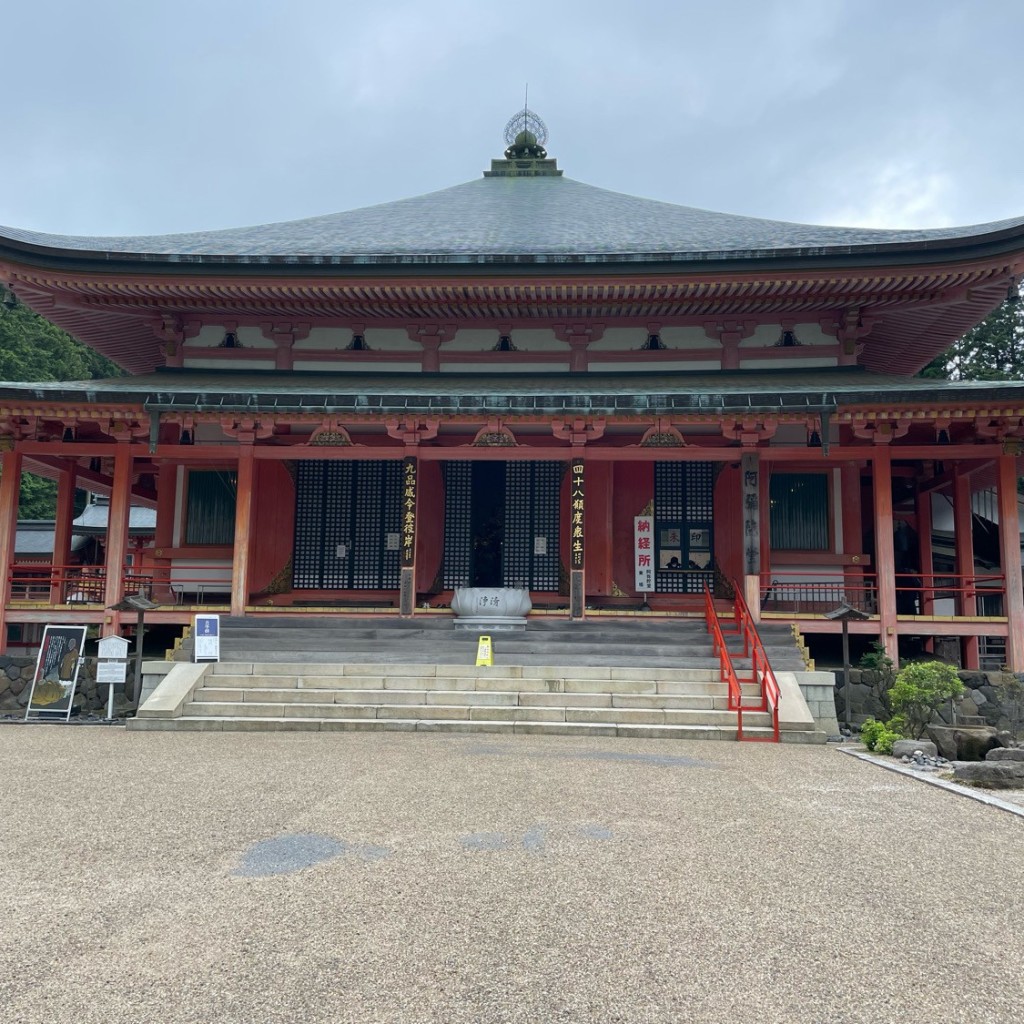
643	553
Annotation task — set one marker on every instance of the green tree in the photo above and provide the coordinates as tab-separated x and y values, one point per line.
994	350
921	688
33	349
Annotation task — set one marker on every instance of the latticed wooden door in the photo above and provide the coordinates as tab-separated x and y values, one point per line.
530	540
347	522
683	528
530	556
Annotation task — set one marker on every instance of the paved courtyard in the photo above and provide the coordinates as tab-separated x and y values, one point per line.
347	877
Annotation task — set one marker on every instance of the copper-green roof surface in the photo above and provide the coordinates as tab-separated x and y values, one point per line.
526	394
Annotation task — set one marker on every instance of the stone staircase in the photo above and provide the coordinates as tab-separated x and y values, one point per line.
601	677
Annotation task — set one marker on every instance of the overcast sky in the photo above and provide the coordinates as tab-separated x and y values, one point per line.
151	116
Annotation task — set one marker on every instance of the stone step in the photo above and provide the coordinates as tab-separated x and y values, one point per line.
471	685
406	698
282	723
507	710
332	670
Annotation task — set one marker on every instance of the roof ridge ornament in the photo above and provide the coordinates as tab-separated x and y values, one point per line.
525	136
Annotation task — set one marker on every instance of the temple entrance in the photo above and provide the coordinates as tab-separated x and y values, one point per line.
487	523
501	524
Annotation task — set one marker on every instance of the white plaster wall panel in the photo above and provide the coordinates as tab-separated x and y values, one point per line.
191	574
654	366
472	341
504	367
210	433
194	363
619	339
786	364
789	434
325	339
387	339
789	575
353	366
209	336
530	339
253	337
767	335
687	338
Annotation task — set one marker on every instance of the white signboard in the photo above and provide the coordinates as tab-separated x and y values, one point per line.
643	553
206	637
111	671
112	647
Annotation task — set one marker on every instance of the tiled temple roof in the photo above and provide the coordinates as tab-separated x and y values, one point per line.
517	393
495	220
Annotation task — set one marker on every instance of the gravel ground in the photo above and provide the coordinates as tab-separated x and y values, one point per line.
190	877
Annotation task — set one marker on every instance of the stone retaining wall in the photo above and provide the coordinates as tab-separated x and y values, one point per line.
987	695
16	673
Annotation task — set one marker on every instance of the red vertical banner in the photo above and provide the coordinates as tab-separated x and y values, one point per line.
408	532
577	510
643	553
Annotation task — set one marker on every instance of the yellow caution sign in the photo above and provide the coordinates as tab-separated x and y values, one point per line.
484	652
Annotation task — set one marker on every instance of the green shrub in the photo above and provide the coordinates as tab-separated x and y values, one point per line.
870	731
920	689
879	736
883	745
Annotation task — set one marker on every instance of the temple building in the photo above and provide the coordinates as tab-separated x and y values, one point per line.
487	385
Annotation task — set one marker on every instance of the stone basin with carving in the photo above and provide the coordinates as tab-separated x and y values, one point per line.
495	608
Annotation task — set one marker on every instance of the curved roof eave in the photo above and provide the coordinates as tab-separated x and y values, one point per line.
530	222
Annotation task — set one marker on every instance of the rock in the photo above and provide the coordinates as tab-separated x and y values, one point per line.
991	774
908	748
12	672
1005	754
978	697
961	743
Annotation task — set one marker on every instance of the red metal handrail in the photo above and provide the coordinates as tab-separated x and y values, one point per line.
764	674
725	665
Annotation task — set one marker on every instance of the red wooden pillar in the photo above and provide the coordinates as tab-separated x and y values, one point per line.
924	551
243	532
853	532
163	537
885	552
62	533
117	531
963	539
10	487
1009	550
